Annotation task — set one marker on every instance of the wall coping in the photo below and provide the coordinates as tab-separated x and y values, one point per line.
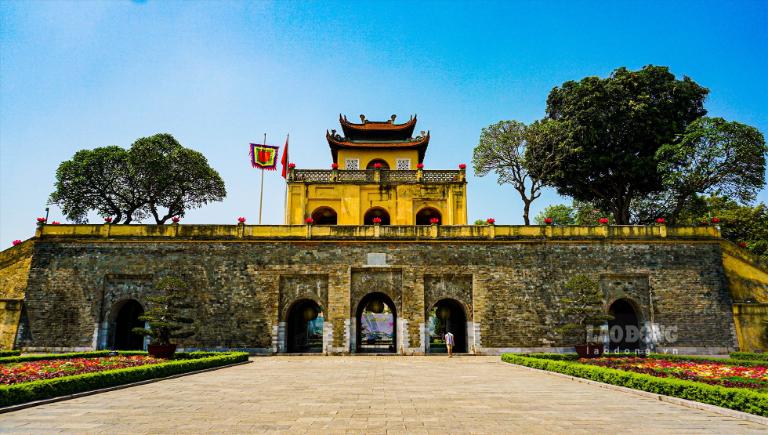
376	232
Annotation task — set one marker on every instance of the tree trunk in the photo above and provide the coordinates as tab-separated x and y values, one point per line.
526	210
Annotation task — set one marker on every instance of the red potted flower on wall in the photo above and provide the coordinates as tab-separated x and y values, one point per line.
490	221
377	166
334	166
16	242
376	220
241	220
108	220
309	221
420	166
548	221
603	221
463	166
167	317
582	313
434	221
175	219
661	221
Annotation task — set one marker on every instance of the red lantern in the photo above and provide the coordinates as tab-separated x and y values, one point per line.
661	221
309	221
334	166
603	221
490	221
462	166
548	221
420	166
715	220
377	220
241	220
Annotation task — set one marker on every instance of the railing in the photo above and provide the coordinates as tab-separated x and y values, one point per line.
375	176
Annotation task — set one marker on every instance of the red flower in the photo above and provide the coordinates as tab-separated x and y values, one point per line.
175	219
603	221
334	166
490	221
462	166
715	220
309	221
291	165
420	166
377	220
55	223
548	221
241	220
742	244
434	221
661	220
16	242
108	219
41	220
377	166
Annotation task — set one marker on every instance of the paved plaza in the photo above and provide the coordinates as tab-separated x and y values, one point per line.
369	395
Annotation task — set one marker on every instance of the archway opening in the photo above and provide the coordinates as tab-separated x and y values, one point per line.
374	213
426	214
447	315
304	332
372	164
624	328
376	324
23	333
324	216
127	319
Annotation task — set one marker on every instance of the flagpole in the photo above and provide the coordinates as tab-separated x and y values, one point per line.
261	193
285	194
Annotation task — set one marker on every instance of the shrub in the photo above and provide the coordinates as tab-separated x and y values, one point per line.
47	388
7	353
750	356
739	399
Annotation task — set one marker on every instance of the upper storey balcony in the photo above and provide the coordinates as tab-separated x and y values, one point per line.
382	176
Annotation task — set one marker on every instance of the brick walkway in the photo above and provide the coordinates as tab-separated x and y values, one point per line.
371	395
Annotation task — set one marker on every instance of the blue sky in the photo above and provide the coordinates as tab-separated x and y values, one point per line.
218	75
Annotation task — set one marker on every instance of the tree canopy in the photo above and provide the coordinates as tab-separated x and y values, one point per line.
602	135
156	177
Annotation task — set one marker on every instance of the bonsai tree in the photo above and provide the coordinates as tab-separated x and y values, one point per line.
165	314
582	309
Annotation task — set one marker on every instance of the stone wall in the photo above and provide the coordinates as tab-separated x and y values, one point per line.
244	289
14	271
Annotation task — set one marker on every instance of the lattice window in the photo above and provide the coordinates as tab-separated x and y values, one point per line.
403	164
352	164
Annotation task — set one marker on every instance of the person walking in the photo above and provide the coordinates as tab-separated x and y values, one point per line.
449	343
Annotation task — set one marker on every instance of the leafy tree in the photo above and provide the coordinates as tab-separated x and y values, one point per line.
602	135
102	180
561	214
582	308
166	313
502	150
713	157
157	177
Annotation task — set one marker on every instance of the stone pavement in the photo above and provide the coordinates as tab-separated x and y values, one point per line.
369	395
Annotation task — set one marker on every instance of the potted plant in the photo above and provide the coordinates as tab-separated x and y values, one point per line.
165	317
582	310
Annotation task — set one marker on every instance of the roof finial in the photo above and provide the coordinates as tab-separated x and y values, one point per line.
362	118
392	119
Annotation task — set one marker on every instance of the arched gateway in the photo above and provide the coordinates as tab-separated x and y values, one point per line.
447	315
304	325
624	328
127	318
376	324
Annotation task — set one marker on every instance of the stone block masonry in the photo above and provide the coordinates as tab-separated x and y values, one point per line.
511	289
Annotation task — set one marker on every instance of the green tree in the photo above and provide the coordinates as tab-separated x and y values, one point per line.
561	214
602	135
501	149
582	309
713	157
166	314
157	177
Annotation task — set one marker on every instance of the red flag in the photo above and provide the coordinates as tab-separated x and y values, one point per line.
284	160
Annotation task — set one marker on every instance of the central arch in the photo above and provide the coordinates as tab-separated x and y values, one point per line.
372	164
324	216
126	319
376	212
426	214
447	315
376	324
624	328
305	327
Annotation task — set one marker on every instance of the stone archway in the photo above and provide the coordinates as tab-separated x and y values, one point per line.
376	324
376	212
447	315
324	216
426	214
304	327
624	329
126	317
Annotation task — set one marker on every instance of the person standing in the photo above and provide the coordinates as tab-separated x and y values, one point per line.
449	343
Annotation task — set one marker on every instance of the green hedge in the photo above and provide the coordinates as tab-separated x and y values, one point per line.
5	353
750	356
47	388
740	399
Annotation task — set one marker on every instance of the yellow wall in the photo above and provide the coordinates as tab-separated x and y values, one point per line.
352	201
748	285
14	271
388	155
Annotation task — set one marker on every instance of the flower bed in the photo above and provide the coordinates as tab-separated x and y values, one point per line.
727	373
15	373
61	375
754	401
